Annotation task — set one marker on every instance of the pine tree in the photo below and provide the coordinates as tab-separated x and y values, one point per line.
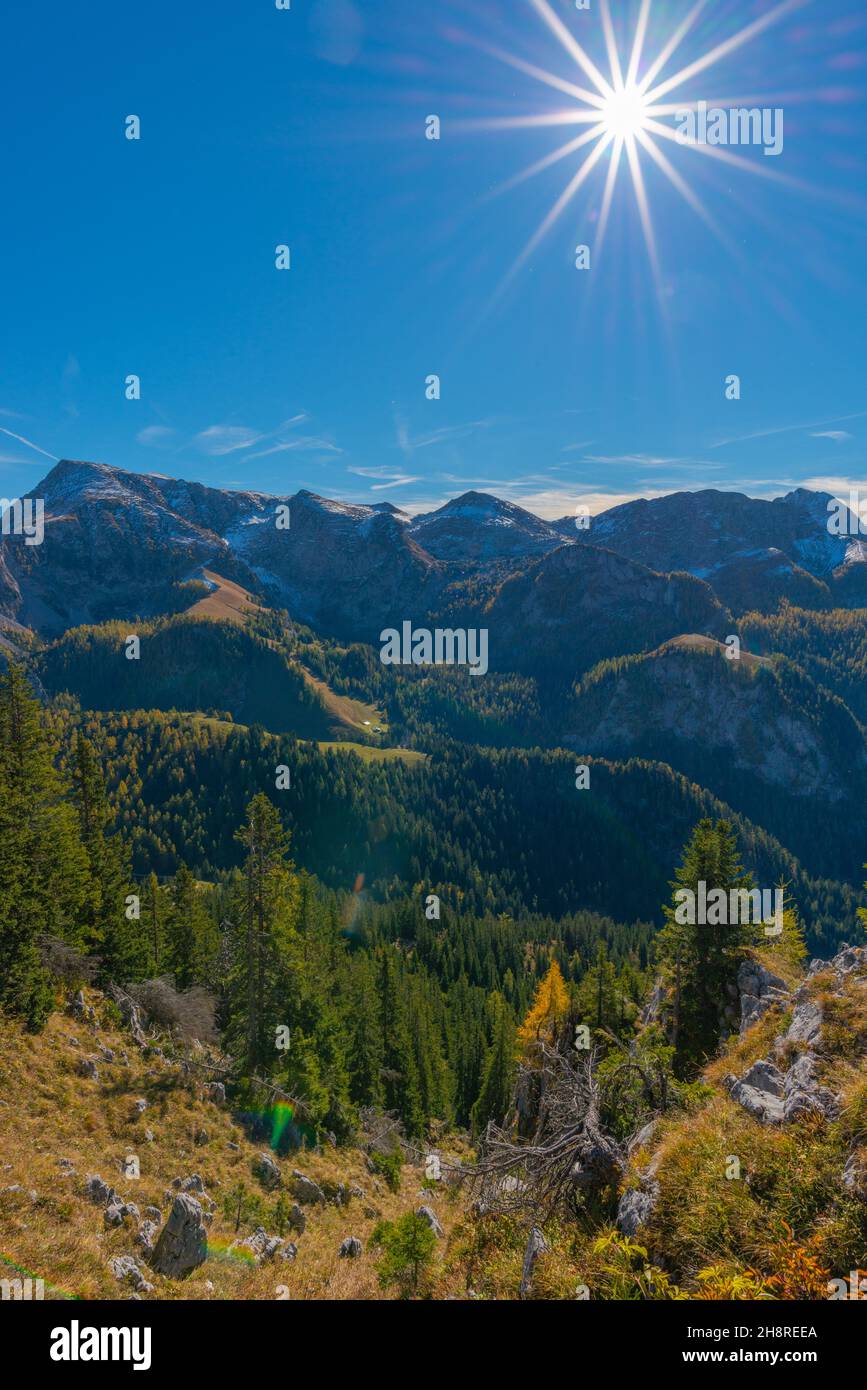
264	909
700	959
599	999
43	867
107	928
188	926
495	1095
365	1036
155	909
401	1087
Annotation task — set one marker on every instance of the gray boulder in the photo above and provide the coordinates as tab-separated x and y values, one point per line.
764	1106
263	1246
194	1183
147	1234
126	1270
351	1248
850	958
804	1095
855	1176
635	1207
764	1076
87	1067
759	990
117	1212
267	1171
297	1219
183	1241
98	1191
305	1190
430	1217
536	1245
806	1024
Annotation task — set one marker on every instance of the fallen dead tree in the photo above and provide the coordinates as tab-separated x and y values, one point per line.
562	1153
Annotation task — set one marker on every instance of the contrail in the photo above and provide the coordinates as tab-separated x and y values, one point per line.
30	445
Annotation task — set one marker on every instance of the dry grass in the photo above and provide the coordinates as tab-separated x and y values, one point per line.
370	754
57	1234
355	713
228	601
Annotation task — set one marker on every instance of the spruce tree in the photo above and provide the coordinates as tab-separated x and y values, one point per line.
108	929
700	959
155	909
401	1086
43	867
263	912
365	1036
495	1095
188	926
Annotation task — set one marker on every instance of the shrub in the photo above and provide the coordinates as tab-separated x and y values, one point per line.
408	1246
388	1165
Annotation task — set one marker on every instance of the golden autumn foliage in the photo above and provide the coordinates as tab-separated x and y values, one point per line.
550	1006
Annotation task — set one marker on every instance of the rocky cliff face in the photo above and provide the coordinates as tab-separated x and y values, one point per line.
350	570
689	691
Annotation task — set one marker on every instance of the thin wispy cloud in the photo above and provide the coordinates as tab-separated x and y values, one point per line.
218	440
446	434
838	436
387	477
304	442
837	486
395	482
788	429
556	504
676	464
449	433
155	436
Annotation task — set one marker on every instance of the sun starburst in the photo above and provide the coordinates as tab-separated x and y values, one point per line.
622	115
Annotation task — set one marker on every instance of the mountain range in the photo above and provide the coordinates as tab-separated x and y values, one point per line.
612	641
119	544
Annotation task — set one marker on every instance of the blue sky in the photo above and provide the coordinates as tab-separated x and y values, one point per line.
306	127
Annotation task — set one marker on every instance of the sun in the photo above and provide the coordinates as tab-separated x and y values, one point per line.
623	119
625	113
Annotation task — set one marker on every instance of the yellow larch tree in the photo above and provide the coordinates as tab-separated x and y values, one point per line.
550	1006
